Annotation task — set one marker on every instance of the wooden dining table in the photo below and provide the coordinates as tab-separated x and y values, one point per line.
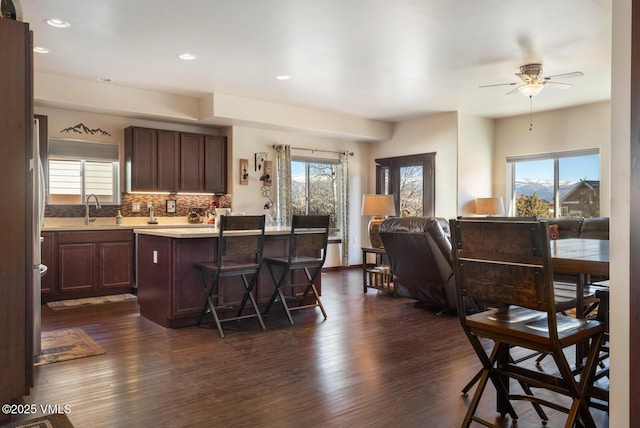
583	258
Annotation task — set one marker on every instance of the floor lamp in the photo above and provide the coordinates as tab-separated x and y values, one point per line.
377	206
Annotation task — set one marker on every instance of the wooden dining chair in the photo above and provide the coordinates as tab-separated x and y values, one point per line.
307	253
505	267
238	253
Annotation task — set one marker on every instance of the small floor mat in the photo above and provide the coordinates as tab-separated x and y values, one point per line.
90	301
66	344
49	421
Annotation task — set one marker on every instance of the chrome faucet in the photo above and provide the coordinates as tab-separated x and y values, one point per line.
88	219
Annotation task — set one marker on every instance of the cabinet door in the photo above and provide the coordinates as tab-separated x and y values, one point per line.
168	161
141	157
77	267
191	162
215	164
116	264
47	257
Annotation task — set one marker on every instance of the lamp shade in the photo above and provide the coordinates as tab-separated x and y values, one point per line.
378	205
489	206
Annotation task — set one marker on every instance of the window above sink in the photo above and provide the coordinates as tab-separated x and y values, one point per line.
79	168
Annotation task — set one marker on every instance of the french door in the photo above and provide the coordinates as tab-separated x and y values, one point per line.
411	180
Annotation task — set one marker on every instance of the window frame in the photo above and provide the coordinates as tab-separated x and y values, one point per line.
71	150
392	165
334	232
553	156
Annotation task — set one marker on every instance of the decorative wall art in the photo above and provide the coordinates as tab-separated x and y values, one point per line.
244	171
81	128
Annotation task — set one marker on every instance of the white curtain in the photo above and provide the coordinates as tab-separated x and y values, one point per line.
344	226
283	196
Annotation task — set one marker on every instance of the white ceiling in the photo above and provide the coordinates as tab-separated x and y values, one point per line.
376	59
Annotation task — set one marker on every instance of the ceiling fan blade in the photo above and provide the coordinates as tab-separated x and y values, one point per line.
559	85
514	90
566	75
498	84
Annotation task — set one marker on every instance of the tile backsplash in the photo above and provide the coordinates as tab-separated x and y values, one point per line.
183	203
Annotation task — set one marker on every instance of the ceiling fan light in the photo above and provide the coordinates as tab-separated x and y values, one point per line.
531	89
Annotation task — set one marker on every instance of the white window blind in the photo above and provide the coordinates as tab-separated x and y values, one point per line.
80	168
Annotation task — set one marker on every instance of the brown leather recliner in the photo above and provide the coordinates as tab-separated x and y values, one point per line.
420	256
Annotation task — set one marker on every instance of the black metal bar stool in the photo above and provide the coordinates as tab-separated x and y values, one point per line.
239	253
309	235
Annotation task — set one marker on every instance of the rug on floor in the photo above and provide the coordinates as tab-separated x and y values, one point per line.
66	344
89	301
49	421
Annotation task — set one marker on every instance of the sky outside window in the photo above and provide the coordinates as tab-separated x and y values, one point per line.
571	169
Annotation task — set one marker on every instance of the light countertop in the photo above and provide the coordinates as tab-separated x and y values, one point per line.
57	224
202	232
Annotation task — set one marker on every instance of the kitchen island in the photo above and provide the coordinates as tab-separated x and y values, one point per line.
169	288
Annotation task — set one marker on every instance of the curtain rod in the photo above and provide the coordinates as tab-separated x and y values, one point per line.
275	146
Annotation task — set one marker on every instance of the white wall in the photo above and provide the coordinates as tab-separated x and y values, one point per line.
620	215
436	133
475	161
583	127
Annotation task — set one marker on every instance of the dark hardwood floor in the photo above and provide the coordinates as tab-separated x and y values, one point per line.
377	361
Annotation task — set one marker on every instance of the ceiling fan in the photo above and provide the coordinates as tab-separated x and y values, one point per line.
533	81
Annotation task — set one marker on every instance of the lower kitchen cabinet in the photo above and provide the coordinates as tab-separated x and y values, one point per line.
48	257
87	264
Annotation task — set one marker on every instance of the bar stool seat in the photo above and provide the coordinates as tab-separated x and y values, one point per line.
240	255
307	253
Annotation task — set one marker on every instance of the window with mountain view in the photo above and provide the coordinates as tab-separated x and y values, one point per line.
557	185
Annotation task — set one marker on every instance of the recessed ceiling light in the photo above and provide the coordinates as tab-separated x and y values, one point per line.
40	49
104	79
283	76
58	23
187	56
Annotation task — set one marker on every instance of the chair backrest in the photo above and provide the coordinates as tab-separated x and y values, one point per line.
250	243
419	252
504	263
309	234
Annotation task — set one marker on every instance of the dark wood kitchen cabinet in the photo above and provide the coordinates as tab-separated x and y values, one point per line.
152	160
215	164
89	263
191	162
48	257
169	161
170	290
203	166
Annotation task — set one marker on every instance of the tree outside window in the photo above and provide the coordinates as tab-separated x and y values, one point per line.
315	189
411	180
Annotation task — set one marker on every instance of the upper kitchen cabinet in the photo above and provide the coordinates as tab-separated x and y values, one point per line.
203	166
191	162
215	164
152	160
168	161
